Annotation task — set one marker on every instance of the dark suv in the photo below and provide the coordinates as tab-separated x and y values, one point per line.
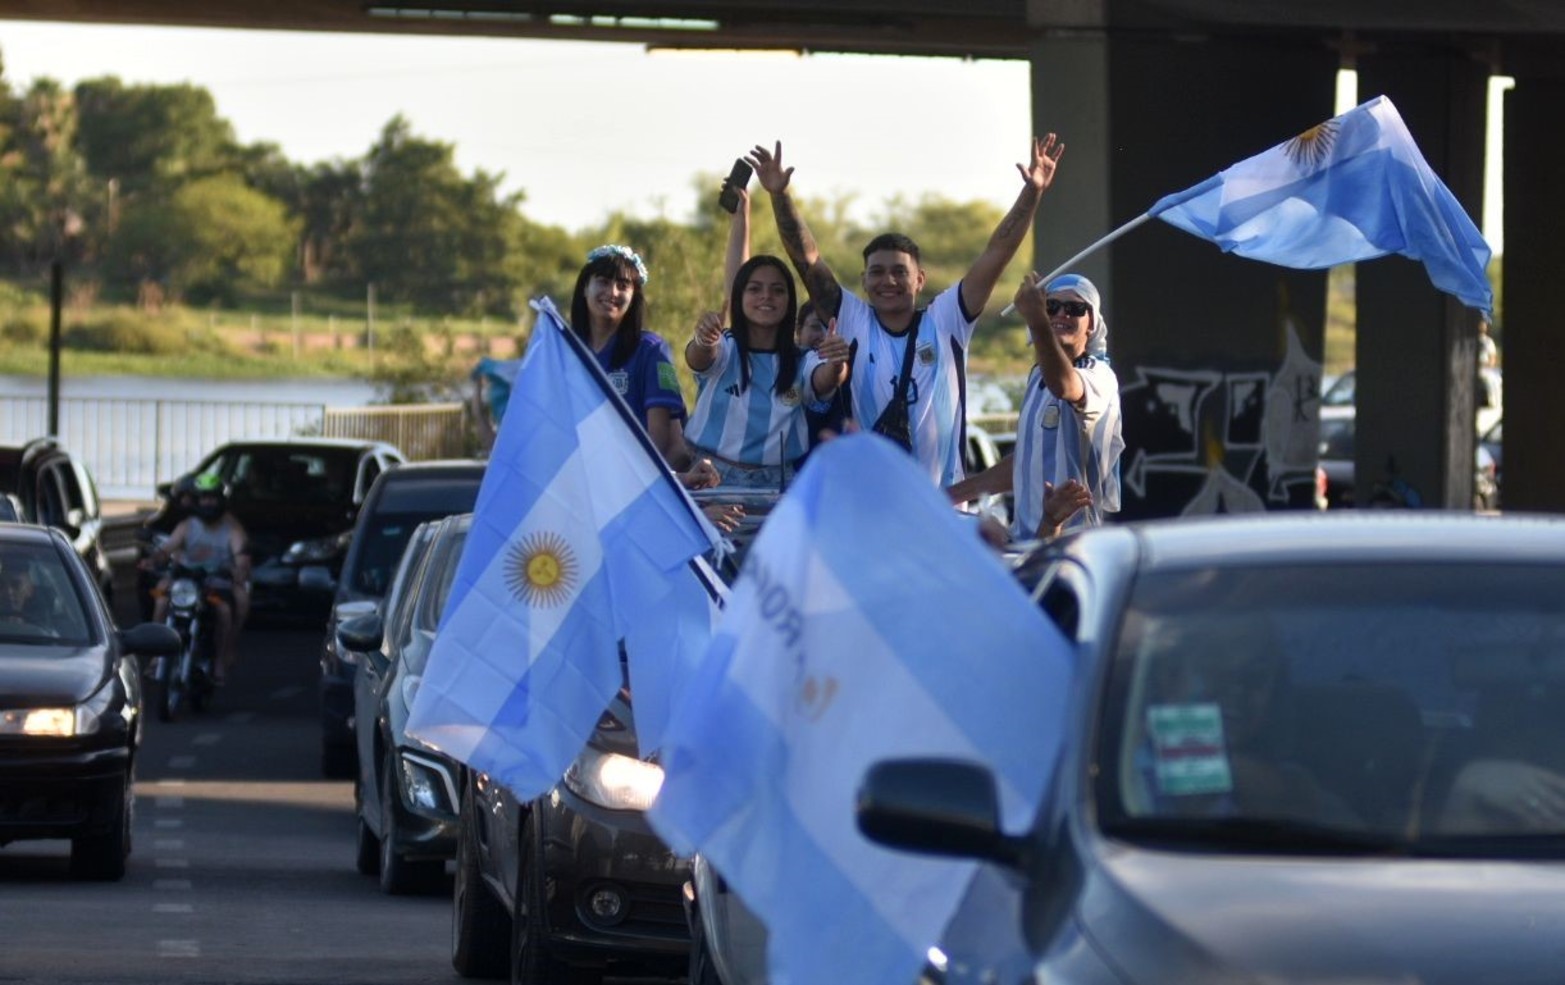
50	486
401	500
298	499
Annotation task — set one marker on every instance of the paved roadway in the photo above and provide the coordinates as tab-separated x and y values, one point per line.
242	868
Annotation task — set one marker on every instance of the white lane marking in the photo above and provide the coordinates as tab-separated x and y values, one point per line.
181	762
179	949
207	739
171	863
169	844
179	885
173	908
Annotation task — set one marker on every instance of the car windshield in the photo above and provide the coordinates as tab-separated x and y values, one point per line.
1295	708
39	602
293	475
1340	393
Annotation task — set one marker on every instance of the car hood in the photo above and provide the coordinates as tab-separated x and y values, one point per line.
1162	917
39	676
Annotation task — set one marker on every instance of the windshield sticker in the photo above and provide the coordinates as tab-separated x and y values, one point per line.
1187	748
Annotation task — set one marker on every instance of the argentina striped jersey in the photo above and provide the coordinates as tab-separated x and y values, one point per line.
1057	442
935	394
756	425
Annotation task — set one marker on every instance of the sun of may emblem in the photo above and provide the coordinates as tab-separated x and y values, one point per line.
541	569
1312	147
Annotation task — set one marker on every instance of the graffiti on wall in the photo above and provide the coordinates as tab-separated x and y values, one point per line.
1215	441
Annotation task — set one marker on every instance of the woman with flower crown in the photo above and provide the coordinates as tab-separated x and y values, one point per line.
754	379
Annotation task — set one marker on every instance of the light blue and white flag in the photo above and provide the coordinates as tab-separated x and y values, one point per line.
1353	188
578	531
869	622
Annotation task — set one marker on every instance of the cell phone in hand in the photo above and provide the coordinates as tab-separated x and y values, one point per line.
738	178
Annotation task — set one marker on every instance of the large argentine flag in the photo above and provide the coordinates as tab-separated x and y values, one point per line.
869	622
578	531
1353	188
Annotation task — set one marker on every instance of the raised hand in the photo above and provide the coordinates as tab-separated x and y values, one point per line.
769	170
709	329
1045	158
833	348
1029	300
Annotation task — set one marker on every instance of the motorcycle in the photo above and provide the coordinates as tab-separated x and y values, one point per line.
186	678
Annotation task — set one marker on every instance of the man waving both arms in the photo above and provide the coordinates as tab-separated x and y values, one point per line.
930	379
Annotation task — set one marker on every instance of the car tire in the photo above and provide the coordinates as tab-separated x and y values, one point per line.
368	849
400	875
531	961
480	927
101	857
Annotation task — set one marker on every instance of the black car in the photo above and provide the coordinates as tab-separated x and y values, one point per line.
1305	748
298	500
70	703
575	884
398	502
48	485
405	794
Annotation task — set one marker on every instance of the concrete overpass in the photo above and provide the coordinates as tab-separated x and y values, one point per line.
1217	355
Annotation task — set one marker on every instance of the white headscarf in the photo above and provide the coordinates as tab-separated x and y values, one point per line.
1085	290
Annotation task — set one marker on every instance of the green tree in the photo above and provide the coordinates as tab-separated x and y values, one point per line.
151	138
427	235
46	196
206	240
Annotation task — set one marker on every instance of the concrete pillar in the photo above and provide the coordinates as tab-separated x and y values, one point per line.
1532	326
1218	357
1416	346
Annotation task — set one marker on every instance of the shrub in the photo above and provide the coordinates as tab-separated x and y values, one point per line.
125	331
25	328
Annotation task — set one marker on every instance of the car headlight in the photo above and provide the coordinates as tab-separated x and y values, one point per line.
317	549
617	782
428	783
63	722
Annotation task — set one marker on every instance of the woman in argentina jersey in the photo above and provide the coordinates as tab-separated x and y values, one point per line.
754	381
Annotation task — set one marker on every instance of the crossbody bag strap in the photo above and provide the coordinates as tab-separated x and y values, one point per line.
900	393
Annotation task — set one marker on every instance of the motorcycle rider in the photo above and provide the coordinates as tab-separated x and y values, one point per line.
213	540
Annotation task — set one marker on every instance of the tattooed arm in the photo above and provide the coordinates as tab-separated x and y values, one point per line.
796	236
985	272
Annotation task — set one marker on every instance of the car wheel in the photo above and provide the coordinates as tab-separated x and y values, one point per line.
101	858
480	927
531	961
368	848
399	875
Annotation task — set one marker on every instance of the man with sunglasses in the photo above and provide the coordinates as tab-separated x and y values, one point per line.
888	319
1065	469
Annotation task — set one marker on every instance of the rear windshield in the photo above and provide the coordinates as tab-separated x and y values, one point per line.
382	538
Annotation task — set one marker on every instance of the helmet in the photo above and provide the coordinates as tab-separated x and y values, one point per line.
211	496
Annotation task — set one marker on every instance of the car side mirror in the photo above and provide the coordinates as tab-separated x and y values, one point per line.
153	639
361	634
936	807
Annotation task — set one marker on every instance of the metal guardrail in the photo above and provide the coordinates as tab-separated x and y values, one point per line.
131	445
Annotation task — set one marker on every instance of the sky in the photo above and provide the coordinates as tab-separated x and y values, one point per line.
583	129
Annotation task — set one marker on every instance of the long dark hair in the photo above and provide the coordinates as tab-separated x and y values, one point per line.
628	335
787	350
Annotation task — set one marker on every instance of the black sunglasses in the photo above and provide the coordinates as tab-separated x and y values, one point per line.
1073	308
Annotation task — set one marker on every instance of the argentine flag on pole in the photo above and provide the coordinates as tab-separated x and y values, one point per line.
869	622
578	532
1353	188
